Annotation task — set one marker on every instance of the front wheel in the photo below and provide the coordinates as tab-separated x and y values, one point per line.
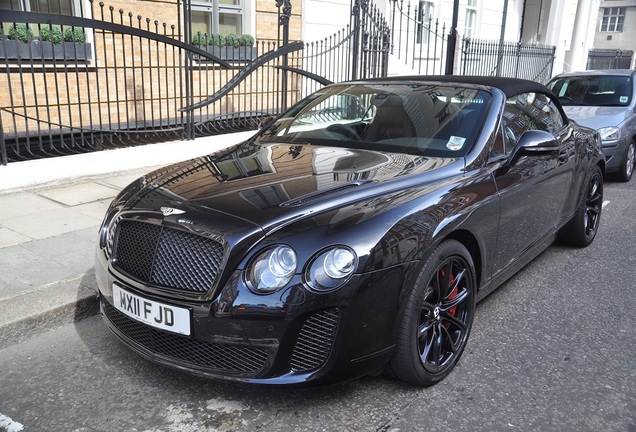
582	228
438	317
626	168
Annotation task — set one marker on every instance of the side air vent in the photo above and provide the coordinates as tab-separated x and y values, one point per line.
315	341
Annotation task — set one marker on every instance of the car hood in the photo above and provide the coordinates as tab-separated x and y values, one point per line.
597	117
273	184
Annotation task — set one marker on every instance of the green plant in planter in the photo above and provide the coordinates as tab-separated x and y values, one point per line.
216	40
74	34
21	32
233	40
49	33
201	39
247	40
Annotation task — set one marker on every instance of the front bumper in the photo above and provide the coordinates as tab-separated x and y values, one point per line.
614	152
290	337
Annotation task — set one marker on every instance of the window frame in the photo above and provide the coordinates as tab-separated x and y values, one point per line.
425	15
215	8
612	20
470	18
79	9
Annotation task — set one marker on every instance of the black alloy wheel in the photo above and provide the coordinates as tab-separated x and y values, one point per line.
582	228
438	317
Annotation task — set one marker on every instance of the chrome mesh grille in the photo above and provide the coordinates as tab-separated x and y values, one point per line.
221	357
315	341
166	256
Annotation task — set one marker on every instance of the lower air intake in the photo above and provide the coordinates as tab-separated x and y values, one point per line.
214	356
315	341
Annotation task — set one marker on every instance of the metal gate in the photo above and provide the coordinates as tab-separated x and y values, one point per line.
83	79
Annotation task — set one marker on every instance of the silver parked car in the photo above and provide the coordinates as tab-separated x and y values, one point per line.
603	100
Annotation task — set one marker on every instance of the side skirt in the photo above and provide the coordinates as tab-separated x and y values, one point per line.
515	266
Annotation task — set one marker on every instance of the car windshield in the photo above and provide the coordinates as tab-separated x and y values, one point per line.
428	120
593	90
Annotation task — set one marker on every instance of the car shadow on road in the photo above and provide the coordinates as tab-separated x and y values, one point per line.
218	405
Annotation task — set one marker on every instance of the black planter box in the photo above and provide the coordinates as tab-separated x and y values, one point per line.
242	53
38	50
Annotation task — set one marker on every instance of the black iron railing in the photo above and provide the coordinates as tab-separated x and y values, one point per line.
84	80
124	79
137	82
507	59
609	59
420	46
419	43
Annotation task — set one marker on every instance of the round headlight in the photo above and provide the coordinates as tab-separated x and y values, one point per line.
272	269
339	263
330	269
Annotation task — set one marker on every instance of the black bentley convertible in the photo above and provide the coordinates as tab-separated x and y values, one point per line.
353	234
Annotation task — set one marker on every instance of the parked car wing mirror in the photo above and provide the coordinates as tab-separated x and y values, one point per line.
534	142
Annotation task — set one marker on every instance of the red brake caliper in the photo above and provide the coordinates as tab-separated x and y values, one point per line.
453	294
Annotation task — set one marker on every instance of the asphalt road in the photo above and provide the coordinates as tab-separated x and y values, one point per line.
554	349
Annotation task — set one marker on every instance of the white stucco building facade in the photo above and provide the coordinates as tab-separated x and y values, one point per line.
616	27
569	25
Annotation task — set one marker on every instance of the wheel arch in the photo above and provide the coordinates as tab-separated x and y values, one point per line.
470	242
601	165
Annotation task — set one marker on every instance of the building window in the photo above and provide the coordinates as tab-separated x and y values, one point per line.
471	18
58	7
613	19
63	7
217	17
424	21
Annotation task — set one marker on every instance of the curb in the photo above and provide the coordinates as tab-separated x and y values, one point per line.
41	309
72	168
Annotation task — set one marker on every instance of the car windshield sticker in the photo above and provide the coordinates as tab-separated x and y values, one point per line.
455	143
623	99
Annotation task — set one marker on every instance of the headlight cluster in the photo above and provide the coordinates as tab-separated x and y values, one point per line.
330	269
610	133
274	267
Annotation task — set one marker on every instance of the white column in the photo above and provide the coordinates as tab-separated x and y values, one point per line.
576	58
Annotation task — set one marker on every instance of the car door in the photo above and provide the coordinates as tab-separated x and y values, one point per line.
532	186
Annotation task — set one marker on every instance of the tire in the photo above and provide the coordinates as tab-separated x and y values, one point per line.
626	168
438	317
582	228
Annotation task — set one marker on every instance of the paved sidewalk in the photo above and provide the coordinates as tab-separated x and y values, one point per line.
50	211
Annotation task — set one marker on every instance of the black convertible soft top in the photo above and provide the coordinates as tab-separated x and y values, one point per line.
510	86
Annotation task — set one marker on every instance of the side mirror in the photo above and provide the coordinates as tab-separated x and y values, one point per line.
534	142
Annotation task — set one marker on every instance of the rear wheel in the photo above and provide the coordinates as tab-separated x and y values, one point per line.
438	317
582	229
626	168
